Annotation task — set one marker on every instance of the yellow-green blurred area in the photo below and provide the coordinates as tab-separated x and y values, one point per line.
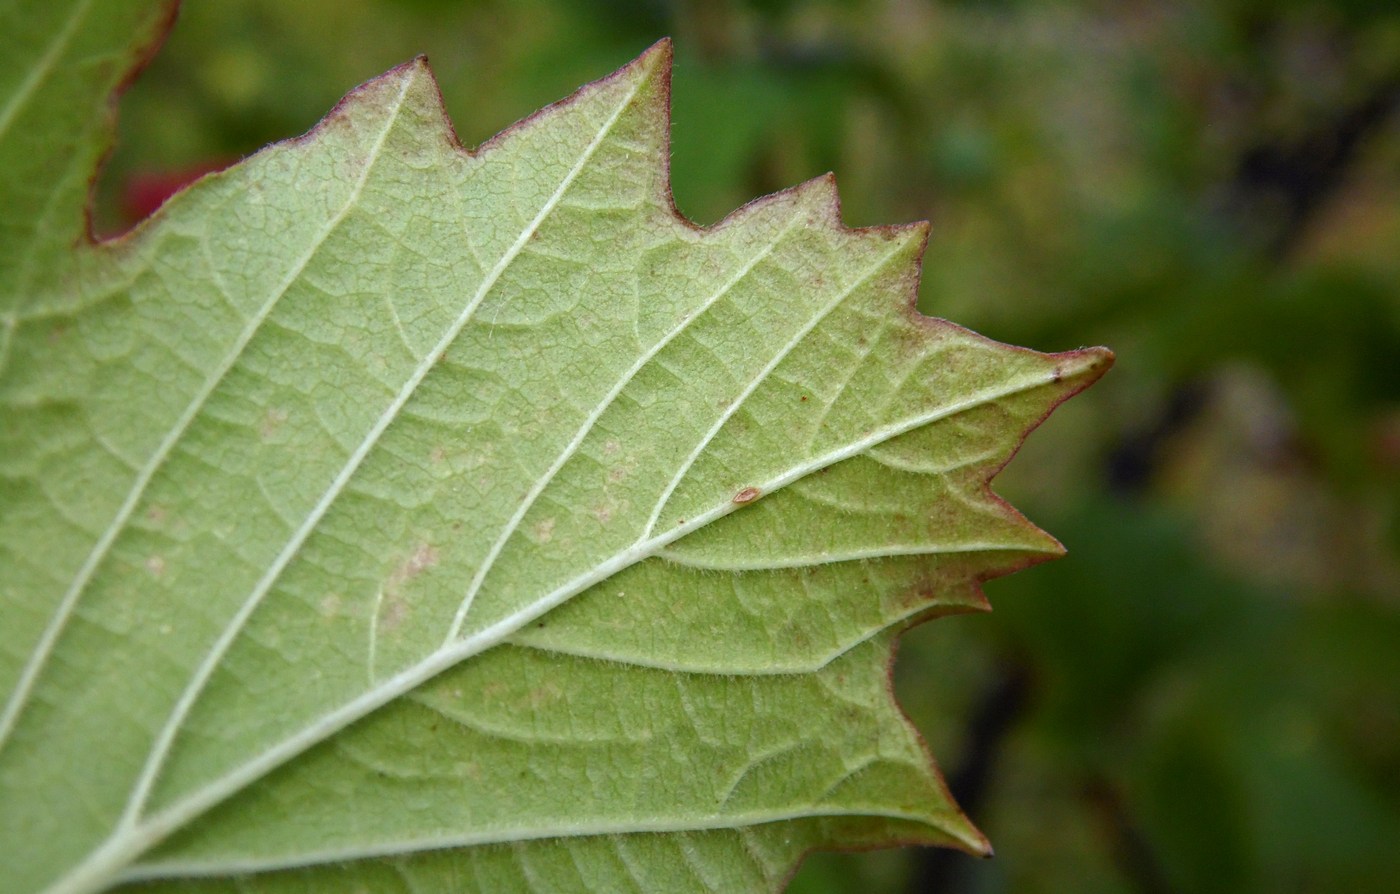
1205	695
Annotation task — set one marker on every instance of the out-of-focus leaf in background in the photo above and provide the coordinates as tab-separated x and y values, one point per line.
1206	695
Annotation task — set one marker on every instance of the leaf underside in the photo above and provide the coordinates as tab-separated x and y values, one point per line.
382	515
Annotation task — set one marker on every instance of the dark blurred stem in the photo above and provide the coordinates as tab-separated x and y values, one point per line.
1002	706
1298	178
1129	847
1132	463
1277	190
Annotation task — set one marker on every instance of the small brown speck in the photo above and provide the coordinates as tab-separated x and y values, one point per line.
747	495
272	422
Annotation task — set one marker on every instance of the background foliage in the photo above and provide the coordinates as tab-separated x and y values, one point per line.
1206	695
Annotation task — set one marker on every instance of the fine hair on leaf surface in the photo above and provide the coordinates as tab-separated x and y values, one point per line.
385	514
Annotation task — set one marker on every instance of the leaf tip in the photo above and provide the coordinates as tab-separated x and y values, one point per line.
659	53
655	61
1081	368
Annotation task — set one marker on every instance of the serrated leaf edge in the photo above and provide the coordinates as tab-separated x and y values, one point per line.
135	834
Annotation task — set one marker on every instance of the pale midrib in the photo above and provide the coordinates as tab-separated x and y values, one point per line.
134	836
834	557
592	419
769	668
157	826
44	648
725	822
40	72
754	384
903	465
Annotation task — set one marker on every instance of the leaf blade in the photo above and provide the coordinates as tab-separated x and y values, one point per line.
336	485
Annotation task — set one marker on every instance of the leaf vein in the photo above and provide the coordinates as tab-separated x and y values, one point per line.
39	657
719	822
30	85
165	738
133	835
157	826
753	386
512	526
827	558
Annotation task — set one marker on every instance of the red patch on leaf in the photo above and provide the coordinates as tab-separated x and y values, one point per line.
145	191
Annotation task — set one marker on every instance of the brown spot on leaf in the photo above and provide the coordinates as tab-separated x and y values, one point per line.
423	557
395	608
747	495
271	422
544	530
392	612
544	695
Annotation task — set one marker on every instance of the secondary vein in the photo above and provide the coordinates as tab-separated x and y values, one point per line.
165	739
157	826
597	413
755	382
39	657
161	746
30	85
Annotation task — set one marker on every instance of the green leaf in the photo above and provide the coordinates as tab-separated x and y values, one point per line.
389	515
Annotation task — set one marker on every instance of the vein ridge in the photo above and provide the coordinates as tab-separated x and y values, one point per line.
58	621
831	558
719	822
159	825
21	97
165	738
754	384
592	419
134	833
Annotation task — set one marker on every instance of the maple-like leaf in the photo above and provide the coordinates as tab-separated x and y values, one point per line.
382	515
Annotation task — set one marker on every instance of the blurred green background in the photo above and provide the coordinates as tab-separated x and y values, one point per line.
1205	696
